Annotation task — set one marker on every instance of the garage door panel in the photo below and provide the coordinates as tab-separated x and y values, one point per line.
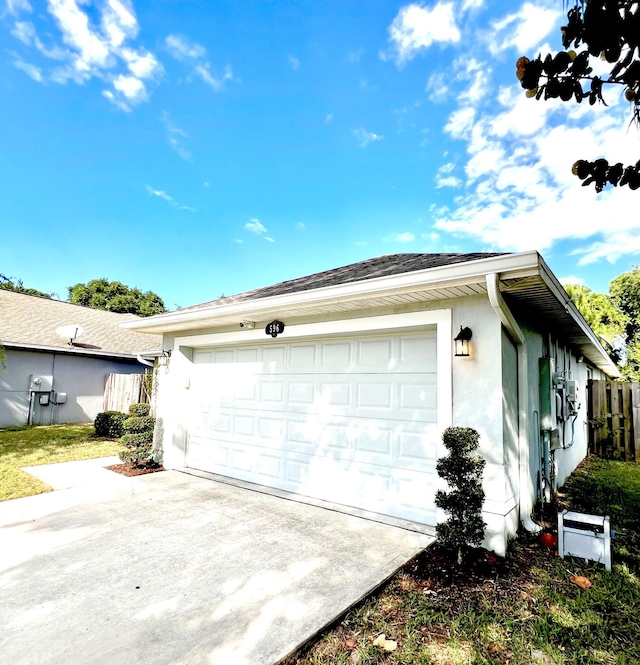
350	421
411	446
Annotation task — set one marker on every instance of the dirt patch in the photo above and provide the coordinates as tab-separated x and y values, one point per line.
134	470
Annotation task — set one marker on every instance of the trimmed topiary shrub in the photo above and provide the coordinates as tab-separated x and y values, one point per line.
140	409
136	424
138	439
110	423
462	469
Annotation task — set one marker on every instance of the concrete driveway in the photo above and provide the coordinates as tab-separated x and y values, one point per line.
169	569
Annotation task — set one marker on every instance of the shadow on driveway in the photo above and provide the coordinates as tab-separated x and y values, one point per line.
173	569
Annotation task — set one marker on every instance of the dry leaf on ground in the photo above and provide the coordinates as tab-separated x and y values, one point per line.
582	582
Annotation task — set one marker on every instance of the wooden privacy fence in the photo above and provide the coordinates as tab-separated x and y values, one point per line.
122	390
614	420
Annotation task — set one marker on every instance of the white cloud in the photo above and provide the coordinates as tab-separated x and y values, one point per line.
269	239
142	64
131	88
116	101
460	122
401	237
195	56
526	29
437	87
294	62
444	177
176	137
470	5
14	7
159	193
216	83
93	44
328	118
417	27
571	279
301	225
182	49
30	70
364	137
354	57
24	31
255	226
519	190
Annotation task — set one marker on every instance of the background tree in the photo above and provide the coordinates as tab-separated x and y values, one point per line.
608	29
116	297
13	284
625	295
615	317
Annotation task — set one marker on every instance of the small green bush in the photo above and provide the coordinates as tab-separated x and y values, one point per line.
140	409
137	424
110	423
462	469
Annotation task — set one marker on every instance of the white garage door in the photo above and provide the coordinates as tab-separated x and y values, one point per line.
352	421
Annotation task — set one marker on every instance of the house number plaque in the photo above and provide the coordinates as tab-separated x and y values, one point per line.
274	328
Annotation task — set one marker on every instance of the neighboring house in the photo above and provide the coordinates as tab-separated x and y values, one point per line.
348	401
47	378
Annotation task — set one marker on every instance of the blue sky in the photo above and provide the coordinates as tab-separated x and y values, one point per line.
201	148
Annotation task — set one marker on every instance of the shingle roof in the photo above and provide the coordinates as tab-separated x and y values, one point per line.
381	266
32	321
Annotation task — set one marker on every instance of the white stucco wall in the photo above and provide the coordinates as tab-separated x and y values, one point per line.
81	377
484	389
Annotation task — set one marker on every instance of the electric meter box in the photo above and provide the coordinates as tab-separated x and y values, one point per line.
60	398
41	383
571	388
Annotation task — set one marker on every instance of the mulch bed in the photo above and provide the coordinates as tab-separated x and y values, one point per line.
134	470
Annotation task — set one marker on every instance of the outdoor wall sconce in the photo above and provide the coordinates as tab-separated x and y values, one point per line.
462	342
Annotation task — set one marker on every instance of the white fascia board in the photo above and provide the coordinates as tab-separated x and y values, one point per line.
369	324
510	265
562	296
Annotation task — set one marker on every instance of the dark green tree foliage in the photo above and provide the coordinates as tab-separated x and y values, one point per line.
596	28
616	318
13	284
625	294
462	470
116	297
138	438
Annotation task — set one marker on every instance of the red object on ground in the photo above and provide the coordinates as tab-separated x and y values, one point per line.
548	540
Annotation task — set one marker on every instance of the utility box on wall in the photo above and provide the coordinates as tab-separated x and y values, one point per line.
41	383
584	536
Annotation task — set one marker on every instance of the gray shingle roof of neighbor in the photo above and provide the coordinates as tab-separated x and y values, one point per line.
32	321
381	266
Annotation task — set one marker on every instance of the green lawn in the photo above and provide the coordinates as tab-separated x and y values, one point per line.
522	610
29	446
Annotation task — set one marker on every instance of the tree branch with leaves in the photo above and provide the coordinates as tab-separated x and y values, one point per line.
607	29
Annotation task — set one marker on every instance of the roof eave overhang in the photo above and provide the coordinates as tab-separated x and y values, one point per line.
507	266
72	351
592	348
516	265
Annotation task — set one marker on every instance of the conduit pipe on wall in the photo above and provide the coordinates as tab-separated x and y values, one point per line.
525	485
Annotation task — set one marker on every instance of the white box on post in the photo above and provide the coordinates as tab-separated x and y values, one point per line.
585	536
